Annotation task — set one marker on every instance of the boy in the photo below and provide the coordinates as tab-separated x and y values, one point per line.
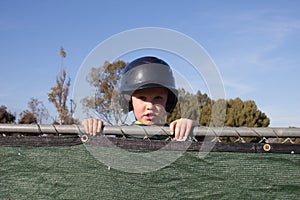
148	89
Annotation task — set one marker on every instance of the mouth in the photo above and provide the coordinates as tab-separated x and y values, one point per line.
149	116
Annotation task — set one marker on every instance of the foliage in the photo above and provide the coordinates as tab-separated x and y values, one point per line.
38	110
35	113
234	113
245	113
27	117
62	52
105	101
188	106
5	116
59	95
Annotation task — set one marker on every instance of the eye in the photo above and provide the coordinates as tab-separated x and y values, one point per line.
158	98
143	98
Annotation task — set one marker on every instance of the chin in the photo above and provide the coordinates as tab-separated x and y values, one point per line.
149	123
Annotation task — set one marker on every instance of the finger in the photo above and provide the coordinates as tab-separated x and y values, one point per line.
188	130
99	126
90	126
172	126
177	131
94	126
182	130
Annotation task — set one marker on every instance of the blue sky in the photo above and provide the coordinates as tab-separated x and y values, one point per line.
254	44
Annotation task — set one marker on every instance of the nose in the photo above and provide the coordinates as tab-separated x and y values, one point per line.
149	105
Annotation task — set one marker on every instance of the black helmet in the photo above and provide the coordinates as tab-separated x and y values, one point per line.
147	72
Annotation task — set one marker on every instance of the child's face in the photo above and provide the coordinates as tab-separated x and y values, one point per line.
149	105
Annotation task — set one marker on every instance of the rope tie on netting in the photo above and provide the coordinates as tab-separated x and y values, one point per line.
240	138
169	137
264	140
216	138
285	140
194	139
288	140
146	137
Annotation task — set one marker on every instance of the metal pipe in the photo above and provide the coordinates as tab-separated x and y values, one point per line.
267	132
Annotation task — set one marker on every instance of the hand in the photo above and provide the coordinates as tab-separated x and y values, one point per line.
92	126
182	128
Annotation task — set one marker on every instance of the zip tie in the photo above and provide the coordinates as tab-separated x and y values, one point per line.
216	139
39	129
264	139
146	135
239	137
56	131
123	134
169	136
194	139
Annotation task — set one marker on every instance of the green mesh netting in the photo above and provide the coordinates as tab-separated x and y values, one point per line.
72	173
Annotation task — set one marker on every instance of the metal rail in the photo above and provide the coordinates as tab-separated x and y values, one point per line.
267	132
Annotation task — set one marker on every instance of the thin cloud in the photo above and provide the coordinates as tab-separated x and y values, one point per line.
237	87
3	95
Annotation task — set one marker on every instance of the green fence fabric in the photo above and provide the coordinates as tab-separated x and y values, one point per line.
73	173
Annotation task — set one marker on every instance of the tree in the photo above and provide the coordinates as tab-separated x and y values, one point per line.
35	113
234	113
187	106
105	100
59	96
205	104
5	116
38	110
27	117
241	113
218	114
